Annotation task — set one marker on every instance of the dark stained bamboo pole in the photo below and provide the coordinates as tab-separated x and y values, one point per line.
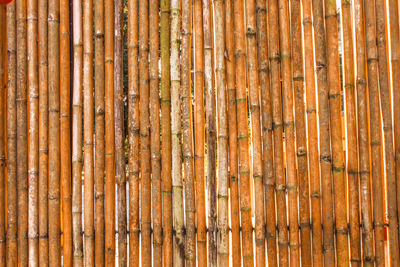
154	106
312	137
324	133
386	104
109	209
268	171
301	134
232	130
375	132
351	127
77	245
22	140
363	136
120	175
133	121
33	136
12	230
277	127
2	147
210	131
187	147
99	156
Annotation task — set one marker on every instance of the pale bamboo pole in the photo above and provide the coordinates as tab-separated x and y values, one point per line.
232	130
363	137
277	127
324	132
77	136
2	147
12	214
176	135
312	137
120	175
301	134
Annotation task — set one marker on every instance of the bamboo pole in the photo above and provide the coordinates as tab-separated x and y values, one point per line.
301	135
277	126
155	134
134	164
363	137
324	132
210	131
312	137
99	156
176	135
2	147
386	104
232	130
187	147
120	175
11	235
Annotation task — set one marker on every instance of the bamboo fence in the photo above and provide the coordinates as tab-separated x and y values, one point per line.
199	133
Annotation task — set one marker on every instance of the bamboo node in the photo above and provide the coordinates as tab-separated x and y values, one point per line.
280	188
285	56
276	126
361	81
298	78
287	124
255	108
342	231
222	196
325	158
291	187
245	210
335	95
294	246
311	110
337	169
244	172
315	195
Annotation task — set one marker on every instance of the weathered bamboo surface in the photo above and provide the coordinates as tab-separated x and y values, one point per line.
199	133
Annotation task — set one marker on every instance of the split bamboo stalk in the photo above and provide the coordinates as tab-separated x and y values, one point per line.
77	136
386	104
43	134
312	137
12	214
54	132
176	134
363	137
187	147
210	130
109	209
351	127
199	131
99	156
375	132
166	156
155	134
2	148
324	132
134	163
232	130
268	171
222	149
33	137
120	175
22	162
301	134
277	127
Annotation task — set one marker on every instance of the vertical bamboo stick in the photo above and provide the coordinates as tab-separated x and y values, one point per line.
232	130
324	132
363	137
2	147
134	164
386	104
11	235
301	135
176	135
99	156
187	147
120	175
277	126
155	134
312	137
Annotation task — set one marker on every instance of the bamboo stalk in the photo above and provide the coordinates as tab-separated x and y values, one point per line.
176	135
120	175
324	132
187	147
386	104
301	135
277	126
155	134
232	130
2	147
312	137
363	137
